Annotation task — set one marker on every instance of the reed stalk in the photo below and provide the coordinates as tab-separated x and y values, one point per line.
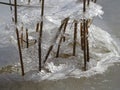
20	53
58	49
15	9
81	34
55	39
84	5
65	26
62	37
75	38
21	36
84	49
87	42
37	27
27	40
40	36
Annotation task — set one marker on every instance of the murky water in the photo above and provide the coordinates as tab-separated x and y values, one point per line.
109	80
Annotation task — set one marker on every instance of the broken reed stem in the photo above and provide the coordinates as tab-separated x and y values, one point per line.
37	27
75	38
84	41
65	26
84	5
15	9
58	49
20	53
55	39
40	36
21	36
62	37
48	53
27	41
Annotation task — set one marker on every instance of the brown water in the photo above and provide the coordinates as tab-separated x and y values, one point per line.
107	81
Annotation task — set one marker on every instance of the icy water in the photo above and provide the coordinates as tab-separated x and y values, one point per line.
108	80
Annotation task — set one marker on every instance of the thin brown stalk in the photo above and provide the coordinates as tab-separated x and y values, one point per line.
27	41
58	49
15	8
87	42
75	38
20	53
40	36
62	37
37	27
21	36
65	26
84	5
84	50
81	33
55	39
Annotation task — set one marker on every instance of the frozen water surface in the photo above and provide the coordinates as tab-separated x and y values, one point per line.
103	73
